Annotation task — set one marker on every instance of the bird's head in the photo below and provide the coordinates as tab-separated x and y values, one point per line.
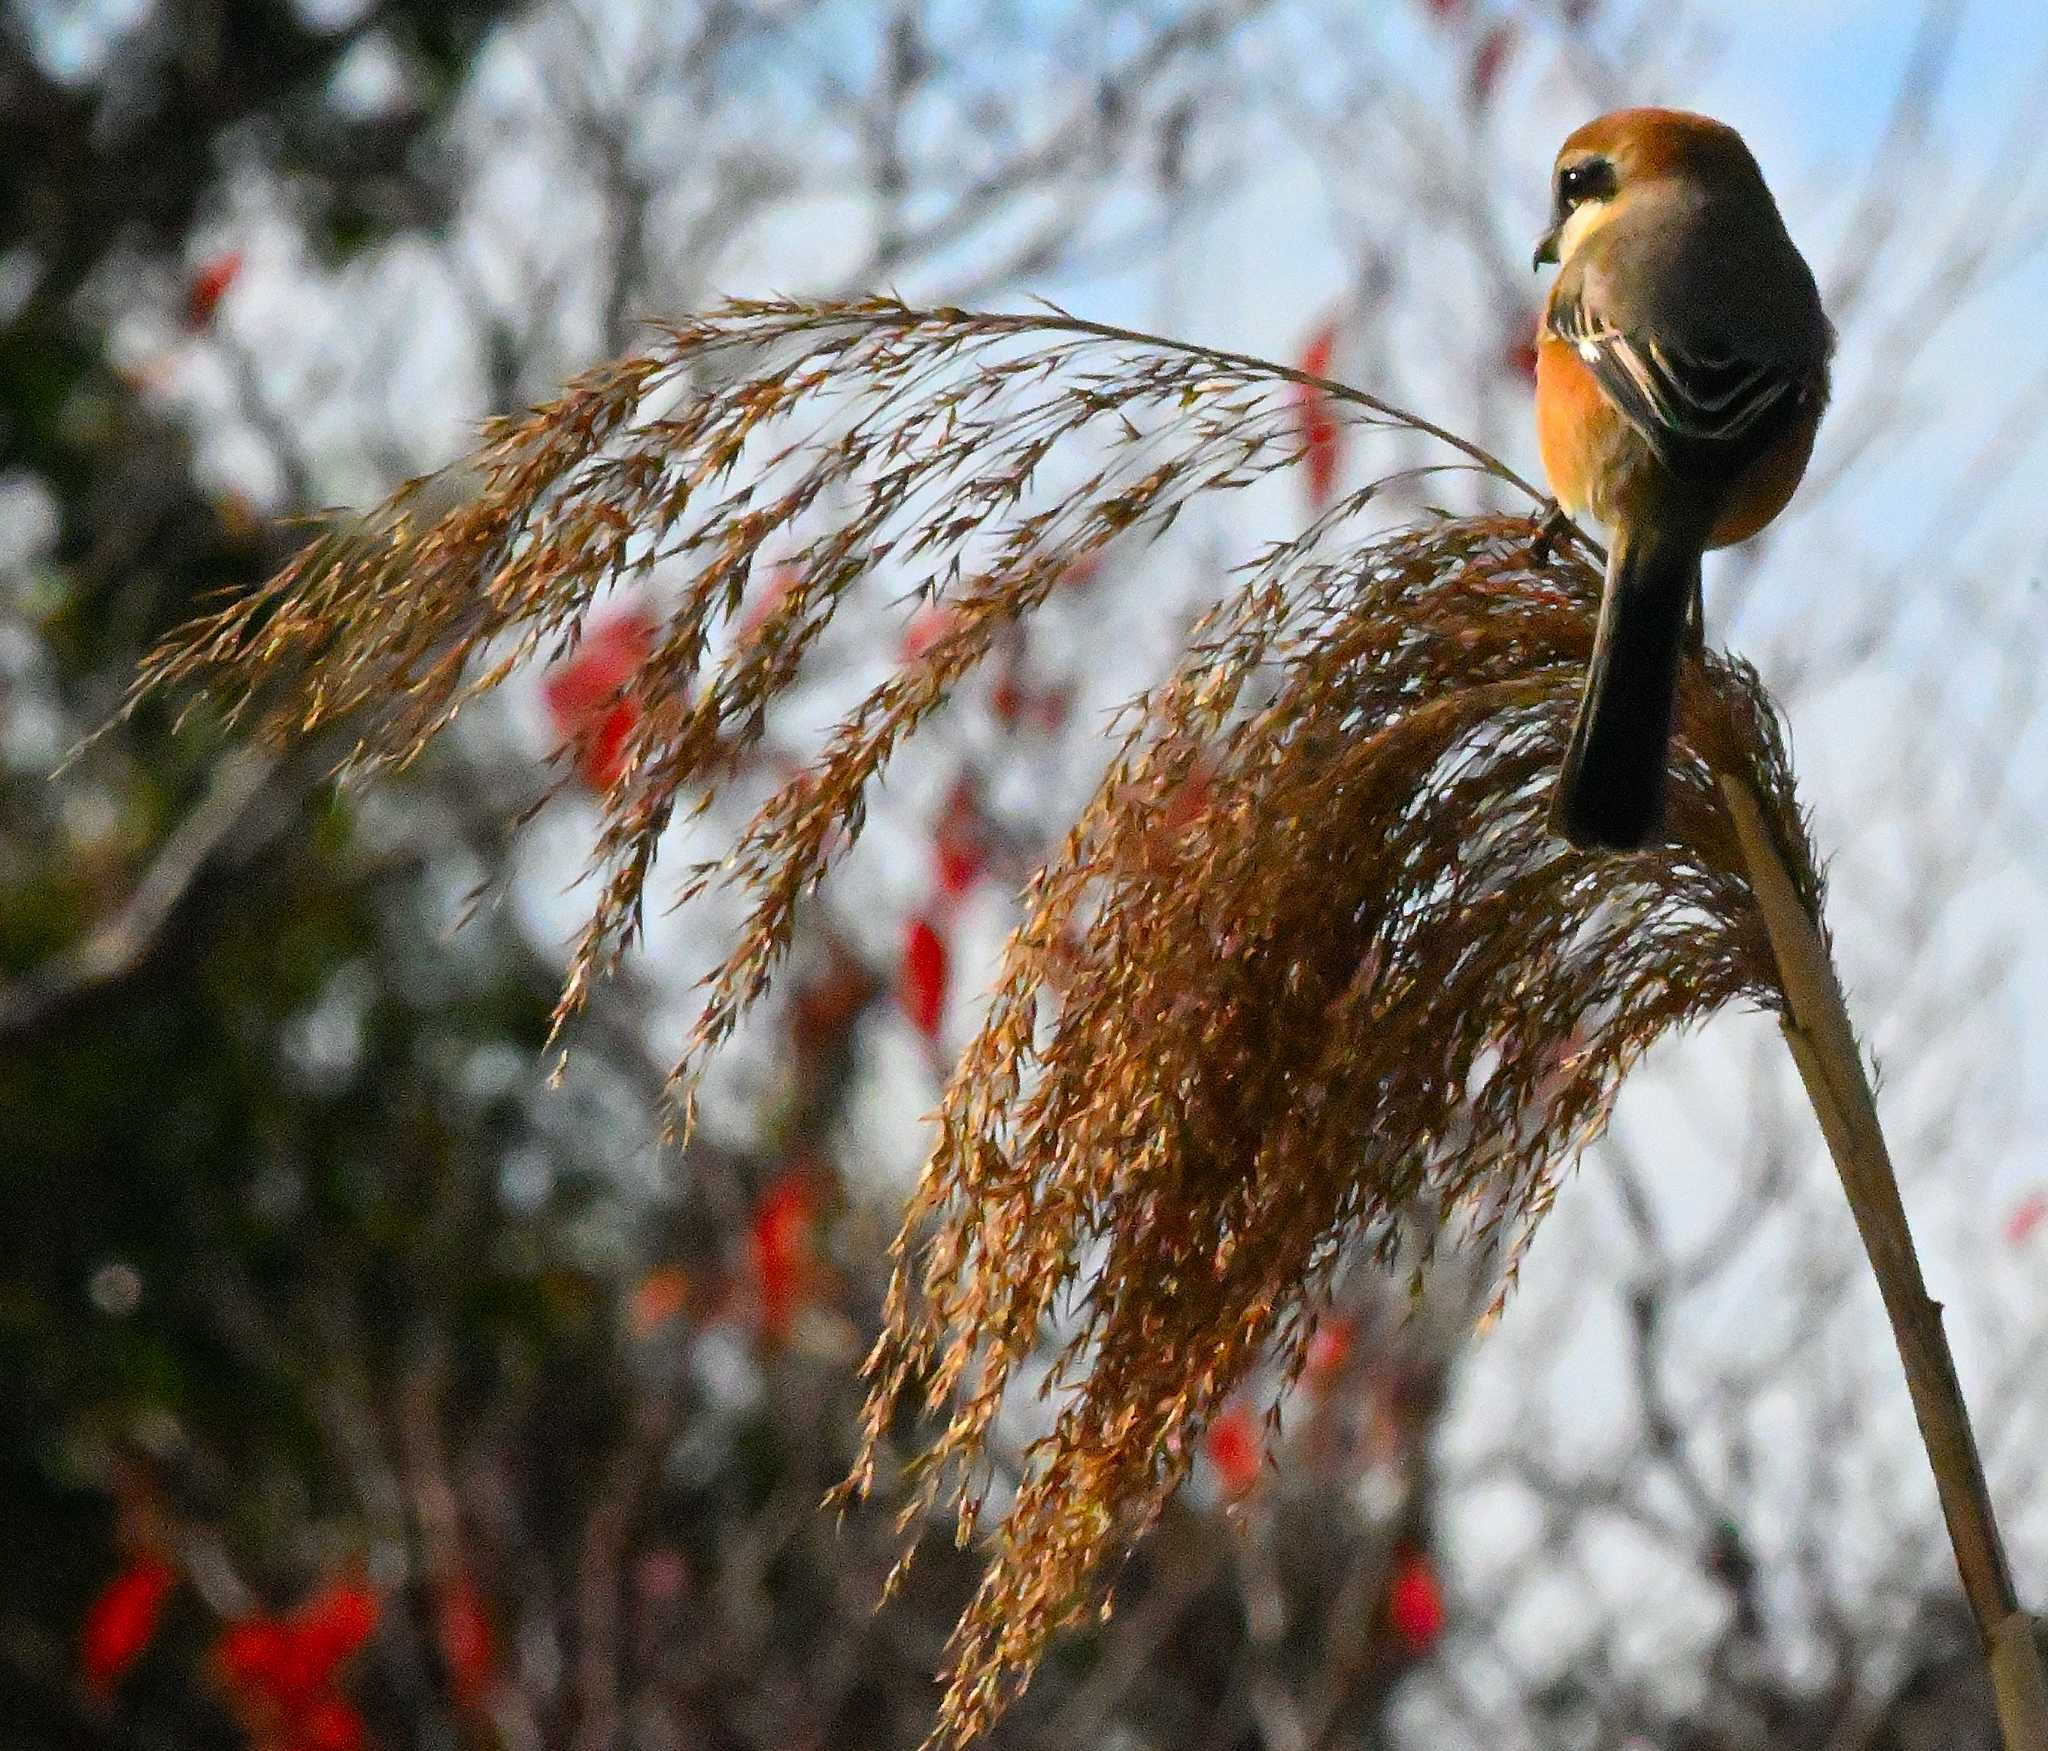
1611	159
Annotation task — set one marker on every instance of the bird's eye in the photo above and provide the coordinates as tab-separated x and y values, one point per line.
1589	179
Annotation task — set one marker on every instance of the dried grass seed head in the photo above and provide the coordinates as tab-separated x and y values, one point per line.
1310	960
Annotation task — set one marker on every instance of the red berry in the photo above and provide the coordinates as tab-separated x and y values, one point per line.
1232	1444
122	1620
927	626
208	285
334	1623
1321	433
1328	1351
1415	1603
779	1249
584	698
925	958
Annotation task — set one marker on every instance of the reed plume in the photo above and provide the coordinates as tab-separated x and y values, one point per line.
1310	960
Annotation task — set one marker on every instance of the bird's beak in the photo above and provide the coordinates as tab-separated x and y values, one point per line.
1546	249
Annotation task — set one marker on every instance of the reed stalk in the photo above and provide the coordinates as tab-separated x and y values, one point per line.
1823	1045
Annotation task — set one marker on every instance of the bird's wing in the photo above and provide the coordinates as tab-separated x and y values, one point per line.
1687	405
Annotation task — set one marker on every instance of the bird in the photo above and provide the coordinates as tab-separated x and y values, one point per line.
1682	367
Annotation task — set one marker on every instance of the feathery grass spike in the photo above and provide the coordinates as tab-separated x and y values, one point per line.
1308	964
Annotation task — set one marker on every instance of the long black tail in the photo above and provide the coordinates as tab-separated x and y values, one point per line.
1611	793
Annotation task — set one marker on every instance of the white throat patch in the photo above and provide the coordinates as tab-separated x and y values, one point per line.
1587	218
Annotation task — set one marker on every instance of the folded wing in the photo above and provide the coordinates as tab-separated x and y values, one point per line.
1701	414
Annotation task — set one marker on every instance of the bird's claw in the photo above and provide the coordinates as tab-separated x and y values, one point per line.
1551	529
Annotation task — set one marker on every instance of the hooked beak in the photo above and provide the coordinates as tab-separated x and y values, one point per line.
1546	249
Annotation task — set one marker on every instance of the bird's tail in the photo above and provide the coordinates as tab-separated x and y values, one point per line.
1611	792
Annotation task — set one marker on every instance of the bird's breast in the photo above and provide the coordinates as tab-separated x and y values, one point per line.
1590	452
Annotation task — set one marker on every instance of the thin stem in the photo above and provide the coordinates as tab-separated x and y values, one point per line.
1823	1045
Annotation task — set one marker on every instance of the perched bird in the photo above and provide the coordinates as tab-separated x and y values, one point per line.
1681	371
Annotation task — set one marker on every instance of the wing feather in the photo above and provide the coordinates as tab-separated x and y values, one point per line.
1688	406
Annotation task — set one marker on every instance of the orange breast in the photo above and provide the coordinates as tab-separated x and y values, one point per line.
1586	445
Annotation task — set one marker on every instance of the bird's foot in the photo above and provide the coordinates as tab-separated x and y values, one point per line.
1551	530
